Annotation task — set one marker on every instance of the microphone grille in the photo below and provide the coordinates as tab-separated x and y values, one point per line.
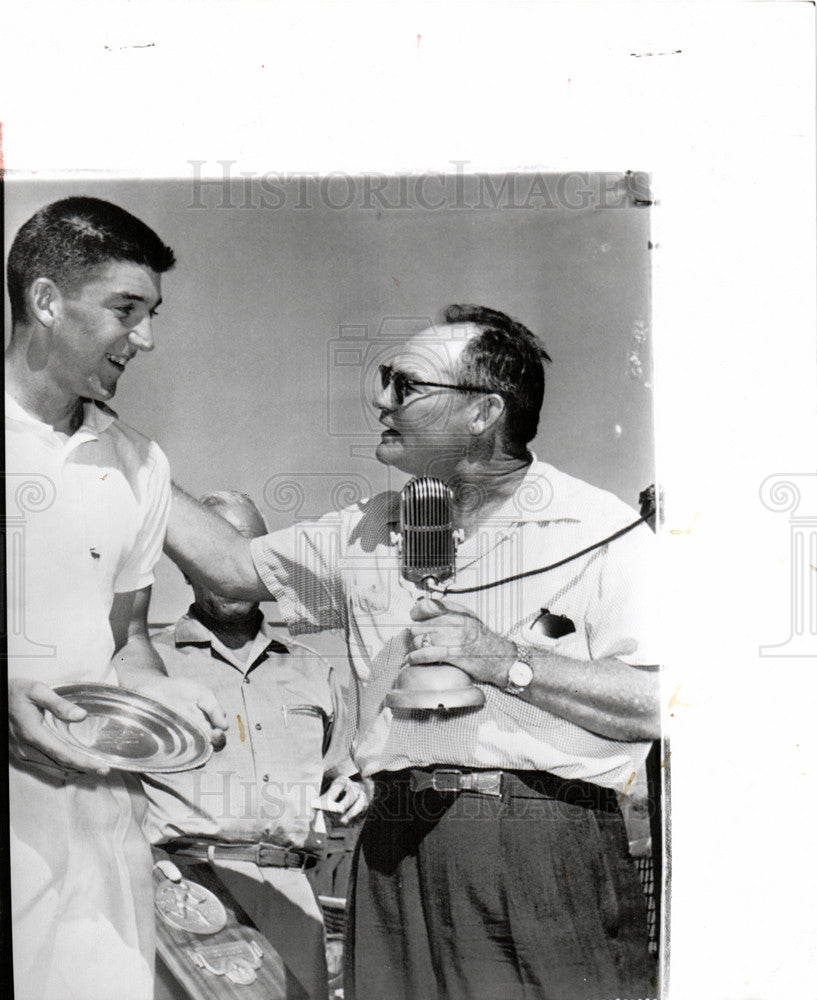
428	531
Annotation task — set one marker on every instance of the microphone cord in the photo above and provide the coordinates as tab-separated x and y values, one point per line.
444	591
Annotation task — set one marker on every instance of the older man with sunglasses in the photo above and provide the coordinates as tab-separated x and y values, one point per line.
493	861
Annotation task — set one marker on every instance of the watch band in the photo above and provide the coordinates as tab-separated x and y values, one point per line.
523	668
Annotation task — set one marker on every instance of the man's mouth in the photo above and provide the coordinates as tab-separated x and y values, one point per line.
118	360
388	434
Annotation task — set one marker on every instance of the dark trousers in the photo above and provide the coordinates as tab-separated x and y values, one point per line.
471	897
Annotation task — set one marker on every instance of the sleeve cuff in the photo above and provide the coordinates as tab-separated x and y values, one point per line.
126	584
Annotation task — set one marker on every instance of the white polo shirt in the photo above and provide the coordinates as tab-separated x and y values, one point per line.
343	571
86	518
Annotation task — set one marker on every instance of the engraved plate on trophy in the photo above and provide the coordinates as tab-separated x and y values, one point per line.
237	960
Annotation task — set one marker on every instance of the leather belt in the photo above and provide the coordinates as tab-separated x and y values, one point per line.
511	784
263	855
451	781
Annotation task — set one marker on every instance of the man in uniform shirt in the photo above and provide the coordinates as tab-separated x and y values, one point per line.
84	281
250	811
493	861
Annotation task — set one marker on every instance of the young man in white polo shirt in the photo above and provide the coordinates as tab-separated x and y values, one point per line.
84	284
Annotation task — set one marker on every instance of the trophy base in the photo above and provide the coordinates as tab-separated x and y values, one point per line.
441	688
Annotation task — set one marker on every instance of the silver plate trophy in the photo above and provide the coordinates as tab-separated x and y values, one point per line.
130	732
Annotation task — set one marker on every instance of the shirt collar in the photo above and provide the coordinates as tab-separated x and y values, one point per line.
545	494
190	629
96	417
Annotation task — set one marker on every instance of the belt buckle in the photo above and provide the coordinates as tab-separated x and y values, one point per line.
305	860
443	785
486	783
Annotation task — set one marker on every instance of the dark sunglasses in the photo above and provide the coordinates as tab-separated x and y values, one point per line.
404	384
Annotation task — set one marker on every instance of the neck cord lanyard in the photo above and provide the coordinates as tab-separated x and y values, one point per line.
444	591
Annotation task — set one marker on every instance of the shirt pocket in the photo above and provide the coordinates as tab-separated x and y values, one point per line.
571	643
294	713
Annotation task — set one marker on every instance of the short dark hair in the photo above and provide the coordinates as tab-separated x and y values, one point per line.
71	236
506	358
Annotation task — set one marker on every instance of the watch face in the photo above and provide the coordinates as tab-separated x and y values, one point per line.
520	674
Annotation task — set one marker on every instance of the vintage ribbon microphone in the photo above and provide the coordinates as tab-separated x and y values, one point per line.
427	542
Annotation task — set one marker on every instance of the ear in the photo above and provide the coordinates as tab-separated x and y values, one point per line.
44	301
487	413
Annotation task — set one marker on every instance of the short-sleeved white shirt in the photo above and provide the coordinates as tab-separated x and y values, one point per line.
86	518
343	571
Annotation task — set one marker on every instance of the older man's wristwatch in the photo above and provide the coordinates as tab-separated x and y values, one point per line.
521	673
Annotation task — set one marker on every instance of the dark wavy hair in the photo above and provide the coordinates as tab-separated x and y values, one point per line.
67	238
506	358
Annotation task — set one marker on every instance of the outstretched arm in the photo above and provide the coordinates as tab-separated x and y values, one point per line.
207	548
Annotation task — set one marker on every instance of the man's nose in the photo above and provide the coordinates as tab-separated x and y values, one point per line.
141	336
383	398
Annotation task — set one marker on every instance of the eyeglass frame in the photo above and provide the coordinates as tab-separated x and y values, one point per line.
387	377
